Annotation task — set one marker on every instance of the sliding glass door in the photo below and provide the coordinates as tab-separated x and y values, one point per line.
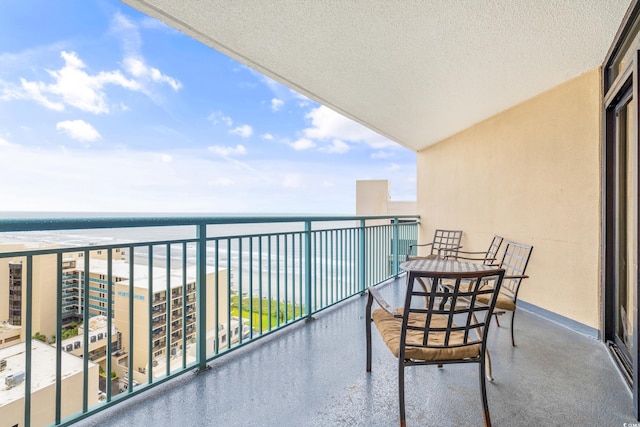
625	189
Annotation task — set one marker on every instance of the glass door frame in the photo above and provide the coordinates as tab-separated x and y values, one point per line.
618	80
621	243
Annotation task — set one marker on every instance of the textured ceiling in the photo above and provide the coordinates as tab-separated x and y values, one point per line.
414	71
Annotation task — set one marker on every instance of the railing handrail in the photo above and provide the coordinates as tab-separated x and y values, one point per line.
46	224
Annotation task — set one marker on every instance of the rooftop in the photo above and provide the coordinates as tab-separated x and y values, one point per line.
97	328
120	268
43	358
7	327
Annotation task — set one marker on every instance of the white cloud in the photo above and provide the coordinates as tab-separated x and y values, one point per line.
137	68
292	180
336	147
82	90
127	31
217	117
327	124
267	136
277	88
79	130
165	158
5	143
381	155
239	150
221	182
393	167
33	90
72	86
153	24
244	131
303	144
193	182
276	104
134	63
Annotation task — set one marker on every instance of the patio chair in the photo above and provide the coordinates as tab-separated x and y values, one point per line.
419	335
445	242
514	262
488	257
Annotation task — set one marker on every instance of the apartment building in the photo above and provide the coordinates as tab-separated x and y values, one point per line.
97	338
13	287
43	384
13	301
73	283
160	306
166	309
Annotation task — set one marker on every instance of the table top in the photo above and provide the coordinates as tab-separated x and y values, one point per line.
442	266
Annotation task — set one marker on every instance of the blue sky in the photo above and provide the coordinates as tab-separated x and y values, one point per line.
103	109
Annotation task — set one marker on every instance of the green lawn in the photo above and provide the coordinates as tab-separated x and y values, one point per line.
287	311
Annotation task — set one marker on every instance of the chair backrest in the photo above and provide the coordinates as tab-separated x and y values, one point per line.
453	317
492	254
446	242
514	261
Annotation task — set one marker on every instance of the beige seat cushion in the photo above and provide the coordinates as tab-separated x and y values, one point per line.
503	302
390	328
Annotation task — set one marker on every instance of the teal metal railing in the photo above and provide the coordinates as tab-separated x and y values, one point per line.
171	294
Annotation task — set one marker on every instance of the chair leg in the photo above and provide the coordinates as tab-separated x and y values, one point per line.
486	351
368	330
483	391
513	341
497	321
403	420
488	368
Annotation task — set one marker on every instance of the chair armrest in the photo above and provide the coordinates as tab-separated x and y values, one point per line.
451	249
383	303
521	276
416	244
472	252
420	244
468	258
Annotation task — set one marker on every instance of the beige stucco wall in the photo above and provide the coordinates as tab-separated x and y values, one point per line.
530	174
373	198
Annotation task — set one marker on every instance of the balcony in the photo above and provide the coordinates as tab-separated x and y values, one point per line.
308	317
313	374
252	286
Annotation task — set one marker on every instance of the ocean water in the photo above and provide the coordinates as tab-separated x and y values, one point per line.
280	265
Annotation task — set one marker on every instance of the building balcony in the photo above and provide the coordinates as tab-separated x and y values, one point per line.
313	374
158	322
297	344
158	300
